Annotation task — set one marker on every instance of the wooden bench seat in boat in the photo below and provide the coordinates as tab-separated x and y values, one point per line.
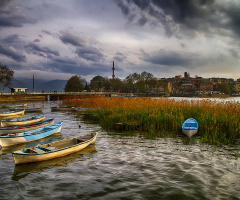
83	139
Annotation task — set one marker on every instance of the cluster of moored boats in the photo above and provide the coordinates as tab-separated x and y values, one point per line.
16	129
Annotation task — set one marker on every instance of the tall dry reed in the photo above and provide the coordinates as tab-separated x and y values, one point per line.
219	122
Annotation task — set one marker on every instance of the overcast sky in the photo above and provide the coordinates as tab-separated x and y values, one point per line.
57	39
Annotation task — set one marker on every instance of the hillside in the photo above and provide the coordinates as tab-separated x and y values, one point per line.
39	85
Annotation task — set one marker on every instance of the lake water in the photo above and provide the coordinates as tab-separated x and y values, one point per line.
121	166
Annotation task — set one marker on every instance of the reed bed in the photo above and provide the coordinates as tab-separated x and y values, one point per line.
219	122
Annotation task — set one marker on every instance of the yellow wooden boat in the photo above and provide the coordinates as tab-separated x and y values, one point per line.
54	149
14	105
23	120
11	113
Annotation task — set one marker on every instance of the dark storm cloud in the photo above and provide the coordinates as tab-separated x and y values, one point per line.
41	51
11	39
12	53
13	16
169	58
120	57
46	32
90	54
233	13
74	66
69	38
191	15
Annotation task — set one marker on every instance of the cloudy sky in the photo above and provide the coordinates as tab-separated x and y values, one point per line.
57	39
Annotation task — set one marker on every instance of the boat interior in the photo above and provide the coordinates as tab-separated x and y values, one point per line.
58	145
189	124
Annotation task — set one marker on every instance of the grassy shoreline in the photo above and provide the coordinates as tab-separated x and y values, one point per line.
219	122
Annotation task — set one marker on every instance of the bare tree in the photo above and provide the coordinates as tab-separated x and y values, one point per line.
6	76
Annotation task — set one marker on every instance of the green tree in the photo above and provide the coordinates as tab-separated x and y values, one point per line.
97	83
6	76
116	84
75	84
224	88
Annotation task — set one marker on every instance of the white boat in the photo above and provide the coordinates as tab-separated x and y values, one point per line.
190	127
17	138
54	149
22	120
11	113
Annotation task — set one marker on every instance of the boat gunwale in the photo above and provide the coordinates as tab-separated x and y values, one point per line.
23	119
34	132
60	149
26	125
190	127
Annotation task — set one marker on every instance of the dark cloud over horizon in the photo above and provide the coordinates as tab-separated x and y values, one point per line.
12	53
165	37
177	15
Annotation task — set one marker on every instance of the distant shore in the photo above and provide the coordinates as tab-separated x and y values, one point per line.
39	97
21	97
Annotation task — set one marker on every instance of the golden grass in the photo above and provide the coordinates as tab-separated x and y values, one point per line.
219	122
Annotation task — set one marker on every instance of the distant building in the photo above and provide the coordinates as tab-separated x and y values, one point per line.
186	75
19	90
178	78
206	87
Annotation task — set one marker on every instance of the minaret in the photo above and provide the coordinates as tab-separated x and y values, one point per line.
113	69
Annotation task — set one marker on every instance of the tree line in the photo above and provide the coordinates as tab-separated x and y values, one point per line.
135	83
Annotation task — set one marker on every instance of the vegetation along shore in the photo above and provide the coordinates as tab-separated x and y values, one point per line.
219	122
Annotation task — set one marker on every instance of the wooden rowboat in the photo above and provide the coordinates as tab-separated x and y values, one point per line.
81	110
190	127
26	127
22	120
61	108
11	113
14	105
17	138
54	149
27	110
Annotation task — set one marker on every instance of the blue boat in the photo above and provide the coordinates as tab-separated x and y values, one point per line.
190	127
16	138
26	127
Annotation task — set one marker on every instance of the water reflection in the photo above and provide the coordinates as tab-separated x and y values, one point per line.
124	166
21	171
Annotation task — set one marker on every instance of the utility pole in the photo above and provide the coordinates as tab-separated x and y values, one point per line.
33	83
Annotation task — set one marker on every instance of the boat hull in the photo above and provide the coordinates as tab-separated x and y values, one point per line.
27	110
14	105
189	132
8	123
11	113
61	108
21	158
24	128
15	139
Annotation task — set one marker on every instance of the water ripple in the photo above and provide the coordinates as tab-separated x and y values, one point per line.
124	167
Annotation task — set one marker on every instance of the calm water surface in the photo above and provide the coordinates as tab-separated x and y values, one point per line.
119	166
